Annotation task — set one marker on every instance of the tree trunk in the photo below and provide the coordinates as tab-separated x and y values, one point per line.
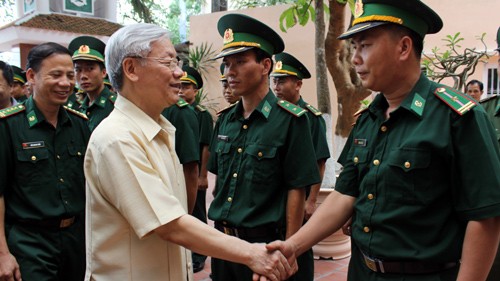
322	90
347	83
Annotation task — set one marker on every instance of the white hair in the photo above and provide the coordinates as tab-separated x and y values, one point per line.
130	41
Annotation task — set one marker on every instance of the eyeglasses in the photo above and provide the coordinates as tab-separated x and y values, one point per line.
171	63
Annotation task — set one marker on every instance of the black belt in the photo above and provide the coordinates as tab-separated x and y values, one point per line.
405	267
48	223
249	232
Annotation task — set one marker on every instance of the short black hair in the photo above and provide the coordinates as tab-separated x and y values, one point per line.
43	51
418	41
475	82
260	55
7	73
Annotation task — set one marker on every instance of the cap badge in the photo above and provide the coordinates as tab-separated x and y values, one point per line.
184	75
279	65
84	49
358	9
228	36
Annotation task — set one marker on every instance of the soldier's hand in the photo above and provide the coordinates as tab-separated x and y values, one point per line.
202	183
9	269
346	228
269	265
309	209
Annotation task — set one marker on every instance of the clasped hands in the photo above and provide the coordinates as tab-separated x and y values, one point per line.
276	261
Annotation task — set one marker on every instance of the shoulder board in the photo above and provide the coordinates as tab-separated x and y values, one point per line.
225	109
77	113
112	98
357	113
200	108
13	110
313	109
459	102
489	98
291	108
182	103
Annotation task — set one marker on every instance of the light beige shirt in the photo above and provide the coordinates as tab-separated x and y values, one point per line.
135	184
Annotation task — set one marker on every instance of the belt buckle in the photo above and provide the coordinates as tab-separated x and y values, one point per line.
375	265
230	231
66	222
370	263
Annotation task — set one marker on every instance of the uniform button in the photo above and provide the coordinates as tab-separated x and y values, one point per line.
88	112
235	175
366	229
240	150
33	158
229	199
407	165
224	222
376	162
370	196
356	160
383	129
66	202
61	180
79	153
245	127
58	156
260	154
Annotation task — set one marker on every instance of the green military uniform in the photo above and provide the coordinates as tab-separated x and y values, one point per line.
257	159
88	48
99	109
492	107
43	185
183	117
19	77
409	168
288	65
206	125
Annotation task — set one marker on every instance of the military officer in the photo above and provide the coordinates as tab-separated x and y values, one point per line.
90	72
6	82
261	150
191	83
420	176
42	184
18	88
287	77
492	107
187	146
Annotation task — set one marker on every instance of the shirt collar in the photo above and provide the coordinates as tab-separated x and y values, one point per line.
263	109
149	127
414	102
101	99
35	116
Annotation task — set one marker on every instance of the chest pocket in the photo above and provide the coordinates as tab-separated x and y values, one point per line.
263	161
32	166
409	180
223	157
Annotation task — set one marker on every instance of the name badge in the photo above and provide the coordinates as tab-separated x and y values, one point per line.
33	144
223	138
359	142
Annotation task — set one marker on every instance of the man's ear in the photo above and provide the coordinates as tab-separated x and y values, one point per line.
267	66
406	47
129	66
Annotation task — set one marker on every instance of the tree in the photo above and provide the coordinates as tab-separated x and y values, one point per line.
453	62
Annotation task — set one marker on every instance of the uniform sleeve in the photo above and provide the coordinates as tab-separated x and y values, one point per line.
299	161
318	133
187	136
206	127
6	161
476	176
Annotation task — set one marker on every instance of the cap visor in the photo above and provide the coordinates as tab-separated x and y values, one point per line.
277	74
360	27
232	51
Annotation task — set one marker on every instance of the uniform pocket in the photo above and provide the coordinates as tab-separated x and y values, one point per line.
33	166
264	162
408	180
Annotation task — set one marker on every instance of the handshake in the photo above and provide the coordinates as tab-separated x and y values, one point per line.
274	261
